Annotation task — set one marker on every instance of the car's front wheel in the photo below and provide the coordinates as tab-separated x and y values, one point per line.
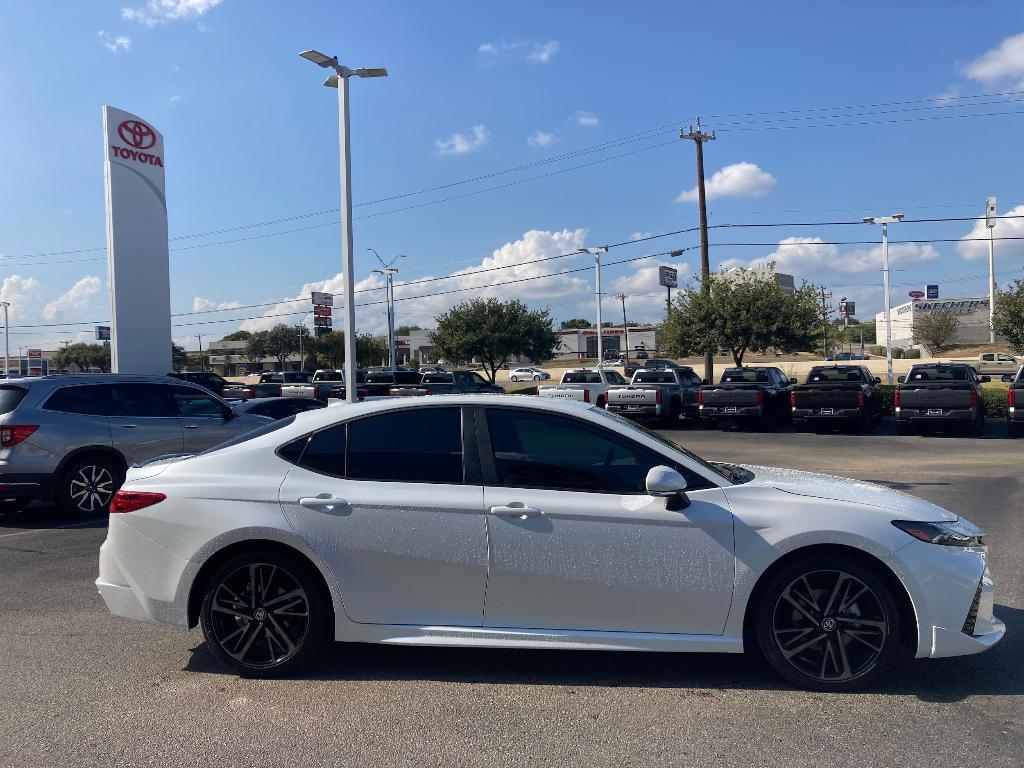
87	486
264	613
828	623
514	378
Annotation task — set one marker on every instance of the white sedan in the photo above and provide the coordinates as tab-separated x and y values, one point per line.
529	374
522	522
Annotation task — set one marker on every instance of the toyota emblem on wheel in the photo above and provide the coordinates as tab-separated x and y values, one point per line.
137	134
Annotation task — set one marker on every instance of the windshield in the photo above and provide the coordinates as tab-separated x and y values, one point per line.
627	424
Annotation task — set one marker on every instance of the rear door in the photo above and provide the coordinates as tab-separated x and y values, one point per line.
202	419
143	422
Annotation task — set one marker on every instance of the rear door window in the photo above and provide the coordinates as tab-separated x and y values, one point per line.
142	401
422	445
11	397
90	399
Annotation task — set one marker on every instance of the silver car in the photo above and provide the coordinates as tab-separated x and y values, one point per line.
71	438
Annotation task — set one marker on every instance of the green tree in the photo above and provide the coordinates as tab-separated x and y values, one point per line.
282	342
743	313
1008	319
576	322
256	348
330	349
82	357
370	349
935	329
404	330
178	357
238	336
494	331
853	332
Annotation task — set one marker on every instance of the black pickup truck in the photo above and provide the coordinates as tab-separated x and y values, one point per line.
940	395
1015	414
843	394
749	395
454	382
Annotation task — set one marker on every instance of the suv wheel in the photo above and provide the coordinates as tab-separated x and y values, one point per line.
828	623
264	613
88	485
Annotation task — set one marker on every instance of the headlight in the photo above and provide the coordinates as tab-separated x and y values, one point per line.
960	533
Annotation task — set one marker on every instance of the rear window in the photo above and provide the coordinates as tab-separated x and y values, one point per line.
741	375
840	373
582	377
10	397
939	373
438	378
380	377
654	377
328	376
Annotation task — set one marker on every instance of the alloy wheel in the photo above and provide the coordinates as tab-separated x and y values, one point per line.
830	626
91	488
259	615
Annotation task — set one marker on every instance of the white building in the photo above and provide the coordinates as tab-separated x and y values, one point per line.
973	314
581	343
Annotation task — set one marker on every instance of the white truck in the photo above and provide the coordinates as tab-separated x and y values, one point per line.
997	363
588	385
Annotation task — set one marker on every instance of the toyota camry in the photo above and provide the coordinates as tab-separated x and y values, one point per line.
525	522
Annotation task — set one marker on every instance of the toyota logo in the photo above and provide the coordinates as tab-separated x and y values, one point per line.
137	134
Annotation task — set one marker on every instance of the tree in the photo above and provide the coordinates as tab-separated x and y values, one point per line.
1009	315
936	329
179	358
576	322
330	349
370	349
405	330
238	336
494	331
282	342
855	329
745	312
84	357
256	348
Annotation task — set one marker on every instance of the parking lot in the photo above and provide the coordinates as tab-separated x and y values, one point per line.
81	687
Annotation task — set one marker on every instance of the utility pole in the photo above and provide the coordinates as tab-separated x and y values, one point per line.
625	329
990	222
824	322
200	337
698	137
7	342
596	253
389	272
885	221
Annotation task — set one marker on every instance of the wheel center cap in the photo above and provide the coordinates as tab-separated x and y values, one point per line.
259	614
828	625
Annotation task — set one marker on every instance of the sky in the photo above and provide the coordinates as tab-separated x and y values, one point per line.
506	133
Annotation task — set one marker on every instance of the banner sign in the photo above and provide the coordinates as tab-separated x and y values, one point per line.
103	333
323	299
668	277
137	259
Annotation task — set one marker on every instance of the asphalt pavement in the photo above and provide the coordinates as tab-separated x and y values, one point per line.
79	687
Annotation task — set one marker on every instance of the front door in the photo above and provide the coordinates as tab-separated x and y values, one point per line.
143	423
577	544
397	514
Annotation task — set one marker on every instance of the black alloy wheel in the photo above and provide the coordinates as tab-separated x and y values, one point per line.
829	624
263	613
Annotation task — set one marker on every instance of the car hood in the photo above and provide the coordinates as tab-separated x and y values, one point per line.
849	491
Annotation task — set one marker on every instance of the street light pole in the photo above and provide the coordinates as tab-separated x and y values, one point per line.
596	253
301	326
990	222
7	341
339	80
885	221
389	272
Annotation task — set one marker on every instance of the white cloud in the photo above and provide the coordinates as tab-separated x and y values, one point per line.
640	235
645	300
199	304
542	52
540	139
75	298
974	245
23	294
1006	61
539	51
460	143
114	44
156	12
803	256
586	119
736	180
412	307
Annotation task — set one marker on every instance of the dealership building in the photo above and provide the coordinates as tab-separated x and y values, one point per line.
973	314
581	343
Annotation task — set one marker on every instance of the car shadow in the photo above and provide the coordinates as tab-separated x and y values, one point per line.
41	516
996	672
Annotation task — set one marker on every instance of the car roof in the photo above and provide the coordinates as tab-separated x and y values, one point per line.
60	379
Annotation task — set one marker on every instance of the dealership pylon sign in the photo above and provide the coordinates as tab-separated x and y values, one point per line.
137	259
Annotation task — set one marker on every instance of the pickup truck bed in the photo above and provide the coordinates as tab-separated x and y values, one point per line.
939	404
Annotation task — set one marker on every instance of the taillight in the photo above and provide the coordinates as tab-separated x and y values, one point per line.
536	390
896	399
657	397
12	435
387	391
700	397
586	395
1011	398
130	501
860	399
792	399
974	398
760	397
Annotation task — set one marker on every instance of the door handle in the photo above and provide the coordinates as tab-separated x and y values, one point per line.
515	510
323	500
129	426
191	426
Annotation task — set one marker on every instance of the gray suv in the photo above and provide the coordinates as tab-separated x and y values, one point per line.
71	438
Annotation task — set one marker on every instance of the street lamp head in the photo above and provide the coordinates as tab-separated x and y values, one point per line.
895	218
320	59
593	251
331	82
372	72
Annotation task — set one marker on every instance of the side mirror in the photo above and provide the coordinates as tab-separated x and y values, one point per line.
985	379
668	483
877	380
901	379
792	380
229	414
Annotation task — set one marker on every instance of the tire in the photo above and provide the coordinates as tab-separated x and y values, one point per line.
814	635
513	378
254	641
1012	430
800	425
904	429
536	378
87	486
977	427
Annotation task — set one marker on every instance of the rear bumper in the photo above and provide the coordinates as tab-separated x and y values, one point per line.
636	411
731	412
1015	415
26	485
921	416
815	414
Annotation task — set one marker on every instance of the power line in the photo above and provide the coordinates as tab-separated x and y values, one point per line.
874	122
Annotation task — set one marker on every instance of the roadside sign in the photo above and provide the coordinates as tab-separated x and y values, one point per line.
103	333
916	295
323	299
321	310
847	308
932	291
35	354
668	277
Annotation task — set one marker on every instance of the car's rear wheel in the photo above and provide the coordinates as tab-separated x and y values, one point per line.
264	613
514	378
903	428
1012	430
536	378
88	485
828	623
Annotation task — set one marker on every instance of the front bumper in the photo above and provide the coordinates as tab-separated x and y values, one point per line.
986	631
